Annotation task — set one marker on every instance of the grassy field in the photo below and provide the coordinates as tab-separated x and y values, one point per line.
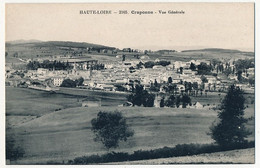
24	104
66	134
47	134
23	101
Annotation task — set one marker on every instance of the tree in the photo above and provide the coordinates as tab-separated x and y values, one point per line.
239	75
227	71
181	70
170	102
171	88
79	82
120	88
214	62
204	79
185	101
162	102
139	65
147	99
251	80
141	97
178	101
244	64
204	69
136	96
123	57
149	64
192	66
110	128
231	130
170	80
155	83
163	63
68	83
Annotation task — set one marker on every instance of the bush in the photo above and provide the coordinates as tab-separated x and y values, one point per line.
71	83
68	83
178	150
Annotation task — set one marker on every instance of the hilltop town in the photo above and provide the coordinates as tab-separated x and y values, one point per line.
100	68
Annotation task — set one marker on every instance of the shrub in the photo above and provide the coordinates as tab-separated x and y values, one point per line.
68	83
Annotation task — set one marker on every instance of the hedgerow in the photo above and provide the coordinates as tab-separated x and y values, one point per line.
178	150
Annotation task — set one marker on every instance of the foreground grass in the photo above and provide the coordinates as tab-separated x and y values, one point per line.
66	134
166	152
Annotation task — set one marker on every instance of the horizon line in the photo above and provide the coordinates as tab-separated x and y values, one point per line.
142	47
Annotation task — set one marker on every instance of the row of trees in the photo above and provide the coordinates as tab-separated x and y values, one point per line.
57	65
140	97
176	101
205	69
243	64
190	88
151	64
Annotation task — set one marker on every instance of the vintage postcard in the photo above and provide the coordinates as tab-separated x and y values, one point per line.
129	83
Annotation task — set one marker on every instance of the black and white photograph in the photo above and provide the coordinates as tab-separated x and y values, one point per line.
151	83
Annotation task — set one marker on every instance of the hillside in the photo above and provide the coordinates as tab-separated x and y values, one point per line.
66	134
51	49
22	41
213	50
37	43
216	50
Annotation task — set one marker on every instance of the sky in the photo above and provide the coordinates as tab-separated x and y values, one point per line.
204	25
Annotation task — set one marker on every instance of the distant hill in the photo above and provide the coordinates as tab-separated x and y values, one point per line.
216	50
23	41
221	51
37	43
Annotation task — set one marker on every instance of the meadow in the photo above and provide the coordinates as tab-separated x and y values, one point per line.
66	134
55	128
